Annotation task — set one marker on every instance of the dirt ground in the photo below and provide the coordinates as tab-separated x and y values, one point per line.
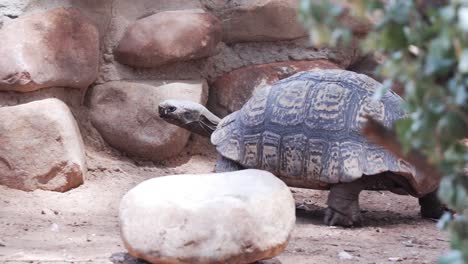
81	225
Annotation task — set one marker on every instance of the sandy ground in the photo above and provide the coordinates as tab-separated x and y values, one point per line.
81	225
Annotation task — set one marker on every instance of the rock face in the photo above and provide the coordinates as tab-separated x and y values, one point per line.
234	217
261	20
12	9
232	90
126	115
55	48
40	147
168	37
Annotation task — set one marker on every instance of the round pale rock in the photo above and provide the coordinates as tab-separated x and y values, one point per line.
233	217
13	9
126	115
261	20
57	48
232	90
40	147
168	37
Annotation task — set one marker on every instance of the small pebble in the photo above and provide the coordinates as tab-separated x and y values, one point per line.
344	255
54	227
408	243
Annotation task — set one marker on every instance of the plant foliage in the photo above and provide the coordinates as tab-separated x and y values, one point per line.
425	44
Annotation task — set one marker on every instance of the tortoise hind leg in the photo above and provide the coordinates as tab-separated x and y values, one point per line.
431	206
224	165
343	204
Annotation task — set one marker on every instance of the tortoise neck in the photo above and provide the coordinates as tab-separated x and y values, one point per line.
205	125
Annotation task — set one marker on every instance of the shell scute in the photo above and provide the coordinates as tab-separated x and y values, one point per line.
328	107
289	106
351	153
270	151
253	112
292	155
251	152
316	152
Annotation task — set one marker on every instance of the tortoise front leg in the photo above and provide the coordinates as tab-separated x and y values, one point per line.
225	165
343	205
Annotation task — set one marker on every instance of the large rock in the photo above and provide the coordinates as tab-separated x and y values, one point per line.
231	91
126	115
54	48
12	9
40	147
261	20
168	37
132	11
234	217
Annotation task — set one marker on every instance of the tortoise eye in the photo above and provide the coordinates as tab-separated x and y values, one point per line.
171	109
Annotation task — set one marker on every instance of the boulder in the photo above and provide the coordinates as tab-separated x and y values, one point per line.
40	147
232	90
54	48
126	115
131	11
233	217
261	20
169	36
358	26
13	9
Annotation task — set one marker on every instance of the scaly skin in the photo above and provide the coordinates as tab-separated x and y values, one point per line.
343	205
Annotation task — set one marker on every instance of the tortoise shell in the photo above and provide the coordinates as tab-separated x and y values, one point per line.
306	129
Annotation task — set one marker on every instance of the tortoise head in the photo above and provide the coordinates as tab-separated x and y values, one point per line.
189	115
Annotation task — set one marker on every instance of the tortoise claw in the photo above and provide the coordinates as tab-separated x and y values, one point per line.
336	218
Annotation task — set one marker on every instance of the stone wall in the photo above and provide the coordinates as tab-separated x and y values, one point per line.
112	61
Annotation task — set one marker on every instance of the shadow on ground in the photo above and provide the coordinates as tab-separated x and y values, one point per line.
125	258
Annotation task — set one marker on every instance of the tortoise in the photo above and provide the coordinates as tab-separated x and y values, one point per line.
306	129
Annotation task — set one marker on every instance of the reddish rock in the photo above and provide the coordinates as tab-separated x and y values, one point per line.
232	90
168	37
126	115
40	147
359	26
262	20
54	48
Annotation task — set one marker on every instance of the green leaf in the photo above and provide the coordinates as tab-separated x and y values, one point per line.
463	62
446	190
463	18
460	199
382	90
452	257
444	221
447	13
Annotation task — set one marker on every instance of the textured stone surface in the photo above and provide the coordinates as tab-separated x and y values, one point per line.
55	48
232	90
261	20
168	37
235	217
12	9
40	147
126	115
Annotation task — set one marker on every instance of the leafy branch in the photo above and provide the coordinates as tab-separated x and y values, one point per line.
425	45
